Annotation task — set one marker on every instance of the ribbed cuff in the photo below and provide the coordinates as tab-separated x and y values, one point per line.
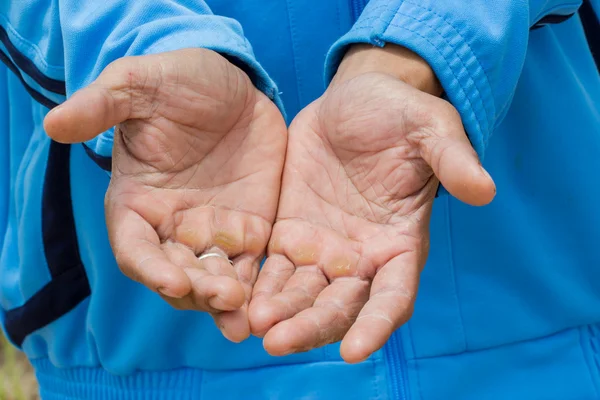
97	384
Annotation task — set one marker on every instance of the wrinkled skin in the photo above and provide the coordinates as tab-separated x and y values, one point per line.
351	235
197	161
197	164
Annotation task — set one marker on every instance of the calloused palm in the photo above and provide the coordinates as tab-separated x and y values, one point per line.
351	235
197	160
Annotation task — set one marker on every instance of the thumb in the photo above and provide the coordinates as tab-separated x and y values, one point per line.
448	151
98	107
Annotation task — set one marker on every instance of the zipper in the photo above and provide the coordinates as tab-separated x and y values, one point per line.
357	7
396	367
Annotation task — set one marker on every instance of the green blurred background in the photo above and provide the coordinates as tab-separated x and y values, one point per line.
17	381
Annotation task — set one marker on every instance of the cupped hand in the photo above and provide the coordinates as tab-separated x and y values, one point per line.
197	160
362	168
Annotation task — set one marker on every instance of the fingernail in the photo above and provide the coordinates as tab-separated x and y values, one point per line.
167	292
227	336
487	174
363	359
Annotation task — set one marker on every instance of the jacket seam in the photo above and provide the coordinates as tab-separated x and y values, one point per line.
386	17
365	22
46	359
586	359
415	363
374	382
293	33
452	265
497	346
32	47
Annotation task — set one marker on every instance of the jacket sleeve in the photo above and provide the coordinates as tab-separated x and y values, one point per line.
96	33
476	47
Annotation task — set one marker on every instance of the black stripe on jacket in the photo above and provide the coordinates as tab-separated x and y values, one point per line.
69	285
591	26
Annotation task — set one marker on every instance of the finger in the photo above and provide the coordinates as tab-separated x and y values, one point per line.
234	325
326	322
111	99
215	287
215	292
183	303
246	269
298	294
233	234
272	277
217	265
393	293
138	253
210	293
86	114
448	151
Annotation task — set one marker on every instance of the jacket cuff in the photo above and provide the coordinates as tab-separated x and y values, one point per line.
438	42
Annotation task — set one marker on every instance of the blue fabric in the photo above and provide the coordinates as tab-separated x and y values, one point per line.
362	381
510	298
122	28
560	366
476	48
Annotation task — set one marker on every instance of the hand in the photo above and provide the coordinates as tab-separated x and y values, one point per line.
197	160
351	235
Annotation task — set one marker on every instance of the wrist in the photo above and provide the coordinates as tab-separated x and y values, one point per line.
393	60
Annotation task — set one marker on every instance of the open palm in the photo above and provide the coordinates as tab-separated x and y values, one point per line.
197	161
351	235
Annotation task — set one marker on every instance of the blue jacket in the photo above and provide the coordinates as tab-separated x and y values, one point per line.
509	305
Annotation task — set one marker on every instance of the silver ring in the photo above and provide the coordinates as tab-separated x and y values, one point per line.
203	256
